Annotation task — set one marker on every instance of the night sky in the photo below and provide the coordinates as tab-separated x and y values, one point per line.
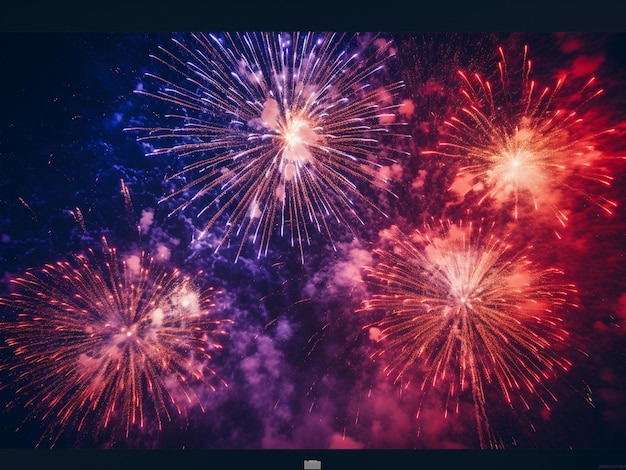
298	355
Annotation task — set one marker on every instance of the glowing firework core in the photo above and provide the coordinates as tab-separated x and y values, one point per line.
295	132
523	163
297	135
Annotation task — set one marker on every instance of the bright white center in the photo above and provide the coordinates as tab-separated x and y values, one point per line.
295	135
298	136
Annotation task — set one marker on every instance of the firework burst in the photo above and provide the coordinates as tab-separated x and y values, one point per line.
520	145
282	130
101	344
468	317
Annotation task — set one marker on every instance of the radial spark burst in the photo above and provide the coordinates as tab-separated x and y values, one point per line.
520	145
103	345
466	316
280	130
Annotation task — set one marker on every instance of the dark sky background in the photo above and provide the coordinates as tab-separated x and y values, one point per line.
297	357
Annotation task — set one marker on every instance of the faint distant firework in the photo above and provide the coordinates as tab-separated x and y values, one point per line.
467	315
520	145
280	130
103	346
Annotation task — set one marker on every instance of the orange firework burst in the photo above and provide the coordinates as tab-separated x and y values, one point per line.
283	129
520	146
464	313
108	345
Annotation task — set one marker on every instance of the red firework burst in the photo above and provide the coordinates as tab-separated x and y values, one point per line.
106	345
465	314
522	145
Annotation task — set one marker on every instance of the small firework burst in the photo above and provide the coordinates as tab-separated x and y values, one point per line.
521	146
108	345
465	315
282	130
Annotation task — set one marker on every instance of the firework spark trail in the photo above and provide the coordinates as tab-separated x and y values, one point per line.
282	129
109	345
520	145
464	313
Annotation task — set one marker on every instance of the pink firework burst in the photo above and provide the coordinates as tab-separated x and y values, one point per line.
107	345
467	316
